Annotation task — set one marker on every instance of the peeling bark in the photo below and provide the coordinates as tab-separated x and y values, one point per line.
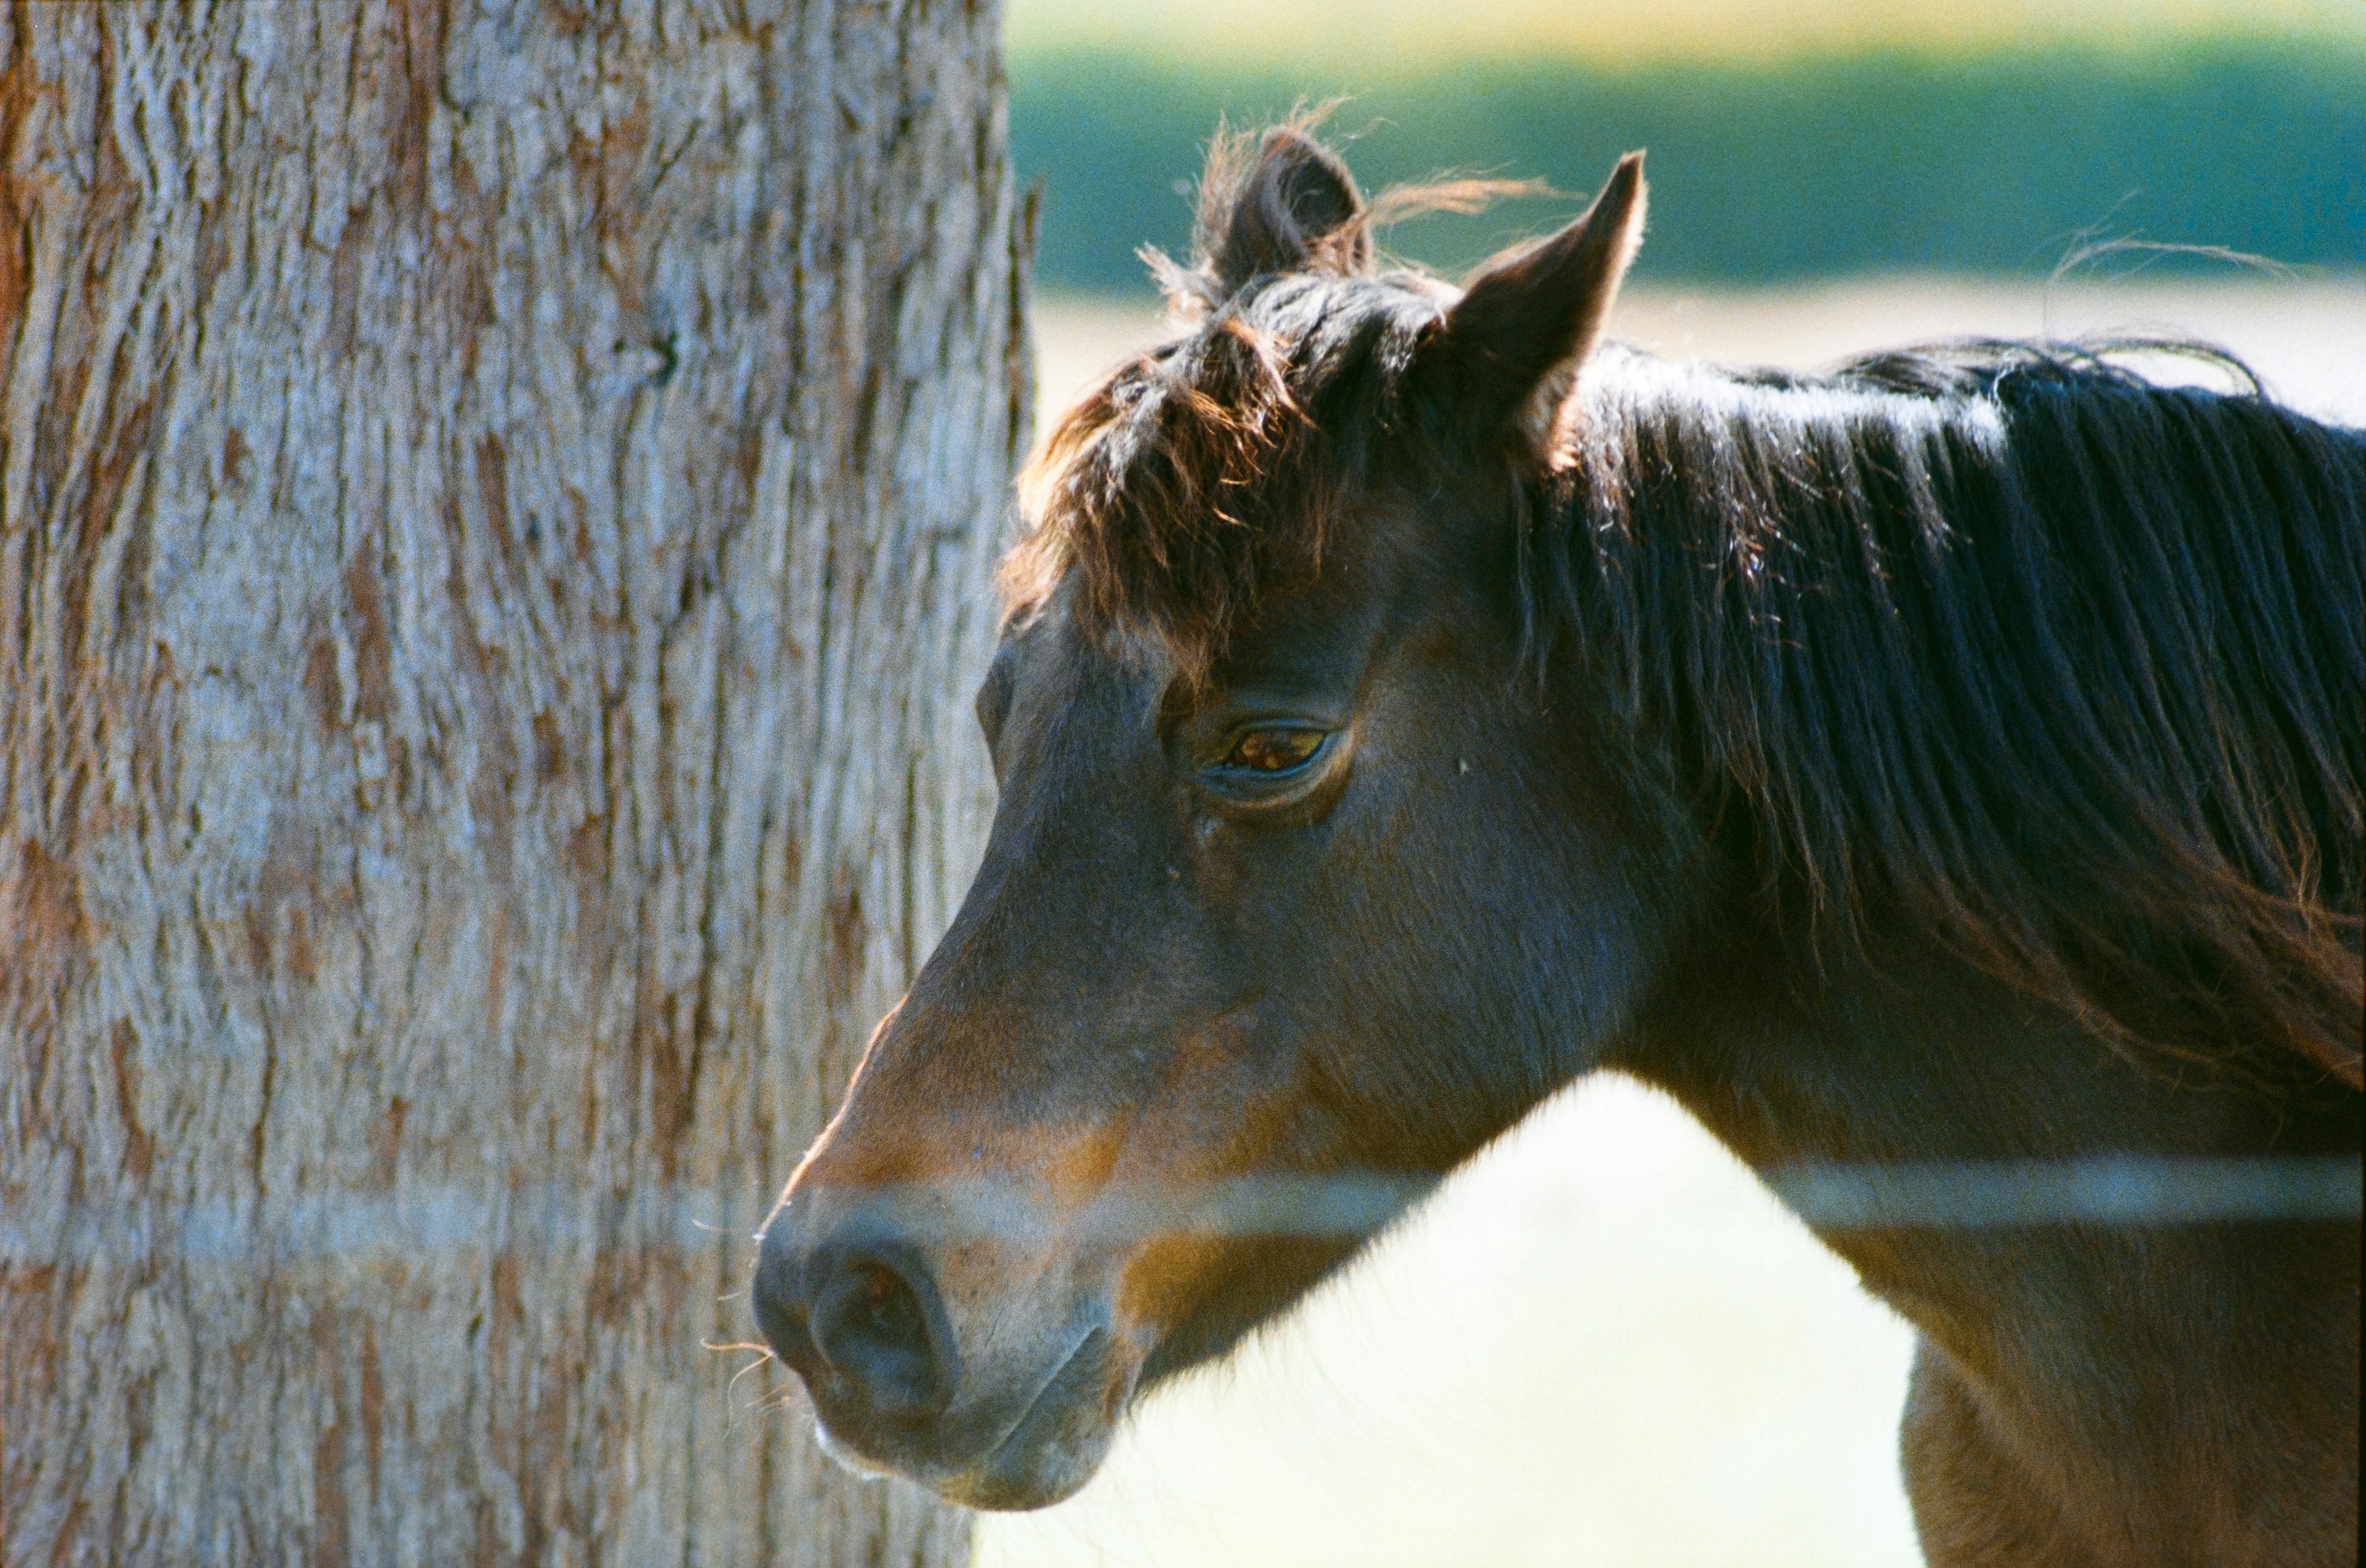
496	508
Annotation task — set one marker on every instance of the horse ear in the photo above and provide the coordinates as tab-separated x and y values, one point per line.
1510	349
1292	202
1284	204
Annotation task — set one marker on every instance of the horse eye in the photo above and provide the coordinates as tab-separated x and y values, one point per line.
1275	751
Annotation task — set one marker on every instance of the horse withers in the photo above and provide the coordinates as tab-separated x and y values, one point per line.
1407	704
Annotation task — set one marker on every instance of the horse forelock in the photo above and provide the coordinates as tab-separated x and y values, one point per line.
1200	477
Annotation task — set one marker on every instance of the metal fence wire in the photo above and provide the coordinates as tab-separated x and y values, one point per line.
2119	1190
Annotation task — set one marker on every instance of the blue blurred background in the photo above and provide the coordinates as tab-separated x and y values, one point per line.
1838	138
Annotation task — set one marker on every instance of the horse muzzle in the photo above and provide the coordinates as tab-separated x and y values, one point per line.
992	1398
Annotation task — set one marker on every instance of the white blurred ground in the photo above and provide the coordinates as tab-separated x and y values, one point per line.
1603	1344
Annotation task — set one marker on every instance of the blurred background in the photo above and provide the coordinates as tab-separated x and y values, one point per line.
1789	138
1605	1343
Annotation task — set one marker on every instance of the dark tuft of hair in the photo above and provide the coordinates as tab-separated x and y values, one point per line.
2005	641
1163	493
1279	200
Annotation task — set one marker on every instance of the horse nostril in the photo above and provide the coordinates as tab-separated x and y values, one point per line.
780	1315
882	1327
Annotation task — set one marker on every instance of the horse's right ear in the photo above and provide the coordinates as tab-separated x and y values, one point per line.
1279	201
1510	349
1293	205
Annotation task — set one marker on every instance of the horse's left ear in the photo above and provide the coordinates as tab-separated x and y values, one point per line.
1509	350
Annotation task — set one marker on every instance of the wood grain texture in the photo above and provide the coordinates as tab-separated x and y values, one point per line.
496	508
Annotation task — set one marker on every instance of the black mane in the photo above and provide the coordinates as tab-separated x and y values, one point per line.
2006	638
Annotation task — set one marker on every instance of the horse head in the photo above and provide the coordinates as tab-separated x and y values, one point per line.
1290	901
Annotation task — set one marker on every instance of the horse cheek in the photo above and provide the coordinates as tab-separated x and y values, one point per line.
1159	1284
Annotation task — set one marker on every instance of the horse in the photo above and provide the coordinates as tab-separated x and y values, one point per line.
1408	701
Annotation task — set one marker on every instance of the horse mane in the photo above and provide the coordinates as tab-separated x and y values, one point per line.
2059	663
1999	640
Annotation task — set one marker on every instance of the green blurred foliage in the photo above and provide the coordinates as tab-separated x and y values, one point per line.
1999	163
